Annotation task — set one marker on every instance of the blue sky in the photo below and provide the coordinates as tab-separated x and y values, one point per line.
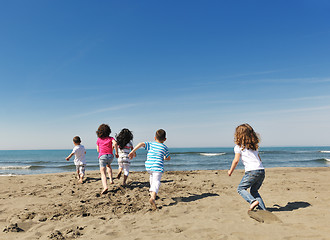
195	68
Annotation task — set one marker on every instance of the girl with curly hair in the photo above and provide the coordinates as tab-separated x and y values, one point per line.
247	144
105	145
125	145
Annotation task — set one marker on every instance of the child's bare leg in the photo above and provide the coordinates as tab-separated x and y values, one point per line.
77	174
104	179
254	205
119	173
81	173
152	200
109	170
125	179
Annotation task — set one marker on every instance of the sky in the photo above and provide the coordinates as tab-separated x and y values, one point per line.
195	68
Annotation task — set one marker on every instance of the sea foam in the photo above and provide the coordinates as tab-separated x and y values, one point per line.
212	154
14	167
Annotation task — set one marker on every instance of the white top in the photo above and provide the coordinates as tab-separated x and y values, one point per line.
79	155
250	158
123	153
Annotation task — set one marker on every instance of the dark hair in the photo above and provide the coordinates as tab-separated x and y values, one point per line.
246	137
103	131
76	139
161	135
124	137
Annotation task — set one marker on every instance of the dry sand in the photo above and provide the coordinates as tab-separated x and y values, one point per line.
192	205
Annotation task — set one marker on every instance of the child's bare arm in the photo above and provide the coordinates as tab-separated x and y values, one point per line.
168	158
132	153
234	164
68	158
116	147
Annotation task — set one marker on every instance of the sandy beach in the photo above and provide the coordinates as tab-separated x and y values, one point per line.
192	205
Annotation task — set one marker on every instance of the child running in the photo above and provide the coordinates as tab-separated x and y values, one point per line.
247	140
105	145
79	153
157	153
125	145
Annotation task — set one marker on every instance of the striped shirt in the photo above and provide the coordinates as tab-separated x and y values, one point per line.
123	153
155	157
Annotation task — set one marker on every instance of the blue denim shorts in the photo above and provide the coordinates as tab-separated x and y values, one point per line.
105	160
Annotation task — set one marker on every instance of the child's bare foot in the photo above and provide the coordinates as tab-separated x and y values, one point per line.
254	205
111	182
104	191
80	180
153	203
119	175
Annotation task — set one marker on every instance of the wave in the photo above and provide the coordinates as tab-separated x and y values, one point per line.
26	162
195	165
22	167
212	154
322	160
305	151
184	153
291	152
36	167
198	153
302	161
14	167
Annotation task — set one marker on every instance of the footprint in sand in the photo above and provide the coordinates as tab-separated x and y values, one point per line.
263	216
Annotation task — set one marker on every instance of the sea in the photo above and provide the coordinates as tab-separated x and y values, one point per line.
26	162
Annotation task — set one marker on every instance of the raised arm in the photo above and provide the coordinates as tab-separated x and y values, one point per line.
132	153
234	163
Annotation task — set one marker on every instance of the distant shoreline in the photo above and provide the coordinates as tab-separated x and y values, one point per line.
232	146
92	172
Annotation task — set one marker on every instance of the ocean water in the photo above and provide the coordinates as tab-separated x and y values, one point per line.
22	162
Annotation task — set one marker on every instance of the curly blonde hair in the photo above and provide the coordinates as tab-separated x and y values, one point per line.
246	137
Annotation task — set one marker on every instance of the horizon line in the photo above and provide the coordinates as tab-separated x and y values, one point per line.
270	146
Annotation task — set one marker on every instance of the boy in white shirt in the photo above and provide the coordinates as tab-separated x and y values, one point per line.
79	158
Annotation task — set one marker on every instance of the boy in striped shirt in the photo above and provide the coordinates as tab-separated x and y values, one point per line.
157	153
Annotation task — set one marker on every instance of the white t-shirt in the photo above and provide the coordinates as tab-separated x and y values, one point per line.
79	155
123	153
250	158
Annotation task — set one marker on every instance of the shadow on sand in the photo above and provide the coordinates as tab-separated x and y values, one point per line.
290	206
191	198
